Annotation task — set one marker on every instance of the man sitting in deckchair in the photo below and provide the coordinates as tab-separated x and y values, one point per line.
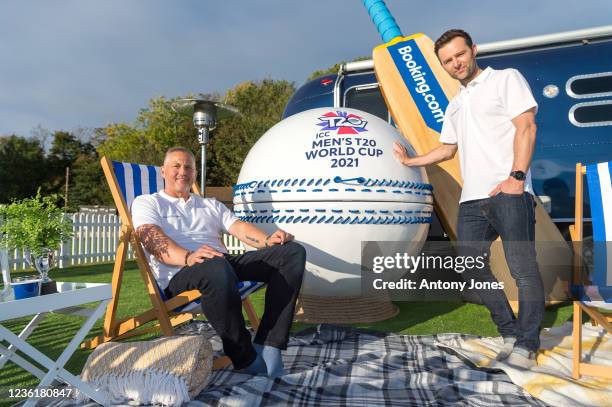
181	233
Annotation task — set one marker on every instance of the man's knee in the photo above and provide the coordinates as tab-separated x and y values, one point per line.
295	254
294	249
216	274
290	250
524	271
294	260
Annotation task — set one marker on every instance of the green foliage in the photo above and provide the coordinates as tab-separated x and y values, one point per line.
334	68
33	223
158	128
124	143
87	183
22	167
261	104
66	150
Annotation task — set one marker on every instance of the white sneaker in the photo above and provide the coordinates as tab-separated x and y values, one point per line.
522	358
506	348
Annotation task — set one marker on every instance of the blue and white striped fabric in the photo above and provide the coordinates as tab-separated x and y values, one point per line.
600	193
245	288
135	180
600	190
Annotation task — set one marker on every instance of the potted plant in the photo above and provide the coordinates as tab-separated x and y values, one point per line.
37	226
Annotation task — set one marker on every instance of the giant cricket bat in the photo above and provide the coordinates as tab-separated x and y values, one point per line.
417	90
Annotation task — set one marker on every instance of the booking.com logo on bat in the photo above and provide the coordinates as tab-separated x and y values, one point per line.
421	82
343	122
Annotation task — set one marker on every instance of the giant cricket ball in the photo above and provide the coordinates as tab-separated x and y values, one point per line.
328	176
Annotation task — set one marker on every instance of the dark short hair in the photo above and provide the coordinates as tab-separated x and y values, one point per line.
178	149
449	36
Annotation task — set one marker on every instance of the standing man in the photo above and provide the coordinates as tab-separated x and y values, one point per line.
181	233
491	123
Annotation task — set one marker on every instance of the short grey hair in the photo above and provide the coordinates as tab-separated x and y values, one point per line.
178	149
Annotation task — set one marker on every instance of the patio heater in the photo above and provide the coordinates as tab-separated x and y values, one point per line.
205	115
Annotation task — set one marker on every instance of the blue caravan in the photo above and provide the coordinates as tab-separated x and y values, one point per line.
570	75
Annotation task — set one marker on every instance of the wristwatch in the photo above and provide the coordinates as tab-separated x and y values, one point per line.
518	175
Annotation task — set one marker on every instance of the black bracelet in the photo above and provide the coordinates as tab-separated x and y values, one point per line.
187	257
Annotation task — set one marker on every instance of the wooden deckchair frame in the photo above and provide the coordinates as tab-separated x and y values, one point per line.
115	328
576	232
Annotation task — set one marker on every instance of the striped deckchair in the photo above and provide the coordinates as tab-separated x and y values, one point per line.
593	293
126	182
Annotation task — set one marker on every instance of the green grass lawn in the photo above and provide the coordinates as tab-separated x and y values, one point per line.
52	335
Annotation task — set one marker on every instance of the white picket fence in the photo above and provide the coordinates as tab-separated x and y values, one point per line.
95	240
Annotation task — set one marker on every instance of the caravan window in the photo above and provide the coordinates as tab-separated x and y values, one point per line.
367	98
590	86
591	114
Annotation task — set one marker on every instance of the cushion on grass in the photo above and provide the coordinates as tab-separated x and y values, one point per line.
168	371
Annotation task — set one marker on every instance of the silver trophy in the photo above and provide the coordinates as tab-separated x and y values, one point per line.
43	263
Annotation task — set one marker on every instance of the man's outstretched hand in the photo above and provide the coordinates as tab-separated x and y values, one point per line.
400	153
278	237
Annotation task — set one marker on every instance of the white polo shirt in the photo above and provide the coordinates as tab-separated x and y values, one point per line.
190	224
479	121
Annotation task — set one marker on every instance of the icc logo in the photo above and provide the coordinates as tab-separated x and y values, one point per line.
343	122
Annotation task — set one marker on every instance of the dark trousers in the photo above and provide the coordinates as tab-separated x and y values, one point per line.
280	266
513	218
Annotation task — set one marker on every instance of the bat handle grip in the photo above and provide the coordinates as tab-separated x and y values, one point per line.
382	19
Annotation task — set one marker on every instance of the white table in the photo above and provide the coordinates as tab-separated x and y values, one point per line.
68	295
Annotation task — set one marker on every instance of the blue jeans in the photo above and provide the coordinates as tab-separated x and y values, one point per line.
511	217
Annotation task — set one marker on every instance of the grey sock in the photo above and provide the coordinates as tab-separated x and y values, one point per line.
506	349
522	358
273	358
524	352
257	367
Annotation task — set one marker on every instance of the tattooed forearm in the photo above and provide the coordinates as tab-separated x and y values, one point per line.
154	240
252	239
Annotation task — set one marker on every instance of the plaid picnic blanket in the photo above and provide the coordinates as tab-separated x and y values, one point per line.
342	366
551	380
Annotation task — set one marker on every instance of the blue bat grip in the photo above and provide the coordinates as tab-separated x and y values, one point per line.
383	20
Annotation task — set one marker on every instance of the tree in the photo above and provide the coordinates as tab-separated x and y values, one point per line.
22	167
87	183
65	149
43	135
158	128
333	69
261	105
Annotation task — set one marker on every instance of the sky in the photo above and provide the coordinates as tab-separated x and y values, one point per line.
70	64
